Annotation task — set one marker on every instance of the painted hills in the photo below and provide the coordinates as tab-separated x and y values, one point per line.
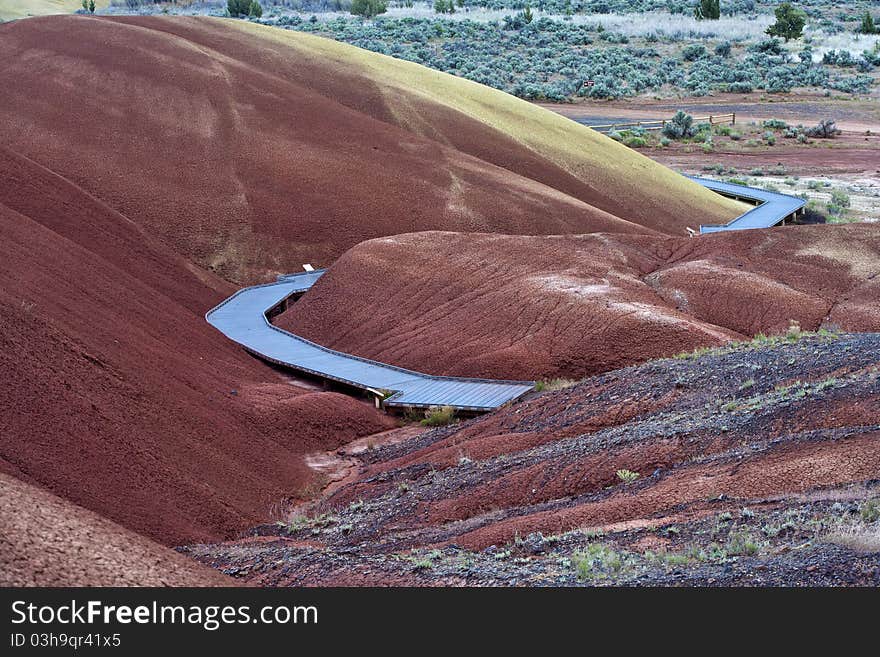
149	166
253	150
116	395
754	464
544	307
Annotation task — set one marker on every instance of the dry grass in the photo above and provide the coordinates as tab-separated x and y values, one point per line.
12	9
859	537
555	384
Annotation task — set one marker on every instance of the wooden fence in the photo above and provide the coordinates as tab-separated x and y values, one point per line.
712	119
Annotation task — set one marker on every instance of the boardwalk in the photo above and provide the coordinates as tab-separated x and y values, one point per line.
243	318
772	207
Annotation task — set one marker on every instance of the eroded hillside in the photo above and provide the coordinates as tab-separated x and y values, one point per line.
118	396
253	150
755	464
568	306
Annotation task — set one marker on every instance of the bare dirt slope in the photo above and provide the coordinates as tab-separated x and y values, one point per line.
757	464
255	149
118	396
567	306
47	541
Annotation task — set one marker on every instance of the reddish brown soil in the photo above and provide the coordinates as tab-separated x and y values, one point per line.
252	158
118	396
717	441
800	106
850	154
853	152
47	541
784	470
544	307
142	157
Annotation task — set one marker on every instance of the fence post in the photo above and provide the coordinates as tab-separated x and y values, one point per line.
733	121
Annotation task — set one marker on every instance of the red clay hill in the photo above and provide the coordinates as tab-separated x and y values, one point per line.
751	464
150	165
116	394
47	541
253	150
541	307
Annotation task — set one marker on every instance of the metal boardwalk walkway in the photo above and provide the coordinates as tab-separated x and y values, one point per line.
772	207
243	318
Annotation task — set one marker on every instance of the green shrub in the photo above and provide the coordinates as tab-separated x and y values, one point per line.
596	560
868	26
740	88
825	129
694	51
839	203
708	9
634	141
627	476
775	124
680	127
813	214
840	198
742	544
553	385
870	511
439	416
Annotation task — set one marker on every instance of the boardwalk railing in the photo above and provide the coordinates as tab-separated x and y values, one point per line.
712	119
772	208
243	318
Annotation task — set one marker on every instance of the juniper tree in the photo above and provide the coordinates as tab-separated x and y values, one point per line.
368	8
709	9
789	23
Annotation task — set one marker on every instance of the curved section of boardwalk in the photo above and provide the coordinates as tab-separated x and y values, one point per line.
243	318
772	207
